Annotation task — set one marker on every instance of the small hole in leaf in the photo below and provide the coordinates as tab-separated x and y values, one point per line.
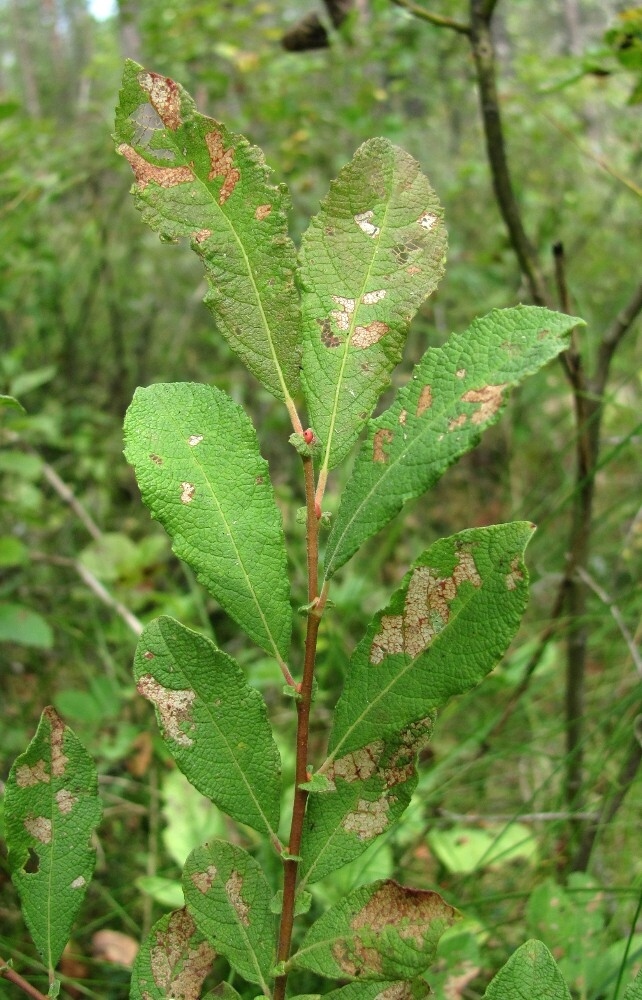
33	863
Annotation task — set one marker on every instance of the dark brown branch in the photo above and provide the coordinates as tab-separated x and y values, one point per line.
484	56
437	19
613	335
6	972
310	32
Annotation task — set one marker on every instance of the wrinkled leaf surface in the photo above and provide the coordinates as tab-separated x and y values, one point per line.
173	960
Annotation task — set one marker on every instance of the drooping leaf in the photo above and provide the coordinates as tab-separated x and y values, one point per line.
370	789
530	974
456	391
387	990
11	403
372	254
229	897
196	179
379	931
173	960
24	626
445	628
213	723
200	473
51	810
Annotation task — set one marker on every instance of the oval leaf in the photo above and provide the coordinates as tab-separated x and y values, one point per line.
173	960
456	391
379	931
51	810
386	990
196	179
200	473
445	628
229	897
214	724
530	974
369	790
372	254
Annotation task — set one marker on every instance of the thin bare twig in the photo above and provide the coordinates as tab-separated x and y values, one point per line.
6	972
439	20
617	616
66	494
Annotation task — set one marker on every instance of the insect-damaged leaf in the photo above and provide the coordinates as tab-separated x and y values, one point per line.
229	897
196	179
200	473
51	810
379	931
369	258
455	393
173	960
370	789
445	628
386	990
530	974
214	724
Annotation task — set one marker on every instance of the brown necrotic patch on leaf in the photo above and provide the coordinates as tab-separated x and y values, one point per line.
398	991
145	172
413	270
341	316
164	96
39	827
187	492
201	235
457	422
426	610
179	965
66	801
156	459
261	212
515	575
173	707
205	880
233	888
194	439
26	776
58	759
222	161
489	399
381	438
328	339
358	765
369	819
366	336
425	400
363	220
79	882
461	373
403	416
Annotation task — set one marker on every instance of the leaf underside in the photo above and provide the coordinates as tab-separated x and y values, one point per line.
201	475
369	258
51	810
196	179
456	392
214	724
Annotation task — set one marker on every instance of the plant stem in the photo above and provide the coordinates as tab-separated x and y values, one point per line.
6	972
291	864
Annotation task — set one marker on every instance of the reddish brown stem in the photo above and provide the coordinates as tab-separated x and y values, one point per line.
6	972
304	701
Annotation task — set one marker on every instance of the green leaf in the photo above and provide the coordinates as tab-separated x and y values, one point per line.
372	788
173	960
214	724
200	473
224	991
372	254
11	403
634	990
229	897
530	974
456	391
196	179
445	628
466	849
24	626
379	931
51	810
386	990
